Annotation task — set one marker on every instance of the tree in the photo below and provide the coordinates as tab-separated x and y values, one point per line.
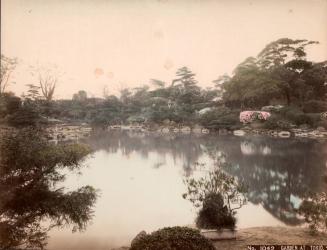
157	83
80	96
47	78
215	194
314	209
283	50
280	71
33	92
250	86
7	66
31	169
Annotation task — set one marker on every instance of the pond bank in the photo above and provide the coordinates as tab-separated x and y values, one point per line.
268	236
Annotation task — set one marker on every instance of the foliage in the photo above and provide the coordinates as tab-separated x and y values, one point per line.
31	169
214	214
280	73
80	96
173	238
298	117
314	210
315	106
214	194
220	117
24	116
250	116
9	103
280	70
276	121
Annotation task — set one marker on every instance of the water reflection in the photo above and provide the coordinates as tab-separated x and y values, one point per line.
141	181
279	172
184	147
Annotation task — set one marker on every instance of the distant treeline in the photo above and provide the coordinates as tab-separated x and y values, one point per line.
280	74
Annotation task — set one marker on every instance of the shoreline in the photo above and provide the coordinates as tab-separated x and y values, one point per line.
267	236
73	131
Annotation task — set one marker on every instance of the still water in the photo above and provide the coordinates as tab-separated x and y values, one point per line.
140	179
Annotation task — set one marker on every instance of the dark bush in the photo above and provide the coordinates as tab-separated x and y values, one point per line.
25	116
214	214
298	117
315	106
313	119
277	122
322	124
220	117
173	238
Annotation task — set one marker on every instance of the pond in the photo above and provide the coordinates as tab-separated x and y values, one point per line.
140	178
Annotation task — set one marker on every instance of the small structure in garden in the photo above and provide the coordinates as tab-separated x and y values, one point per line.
247	117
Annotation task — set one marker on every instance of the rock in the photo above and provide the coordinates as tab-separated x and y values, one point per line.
239	132
284	134
139	236
165	130
205	131
301	134
321	129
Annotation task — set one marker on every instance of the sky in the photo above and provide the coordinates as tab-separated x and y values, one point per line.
116	44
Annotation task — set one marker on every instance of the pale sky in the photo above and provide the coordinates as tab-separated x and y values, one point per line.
125	43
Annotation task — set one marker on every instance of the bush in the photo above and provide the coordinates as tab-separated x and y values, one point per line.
277	122
173	238
221	118
25	116
315	106
314	210
297	116
214	214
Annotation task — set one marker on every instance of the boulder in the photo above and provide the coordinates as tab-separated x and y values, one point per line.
239	132
284	134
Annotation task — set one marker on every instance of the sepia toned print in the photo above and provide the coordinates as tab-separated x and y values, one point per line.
160	124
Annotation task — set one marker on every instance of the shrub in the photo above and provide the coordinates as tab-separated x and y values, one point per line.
314	210
297	116
214	214
315	106
221	118
277	122
173	238
313	119
214	194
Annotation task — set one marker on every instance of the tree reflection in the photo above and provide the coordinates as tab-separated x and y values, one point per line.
278	172
178	146
30	171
